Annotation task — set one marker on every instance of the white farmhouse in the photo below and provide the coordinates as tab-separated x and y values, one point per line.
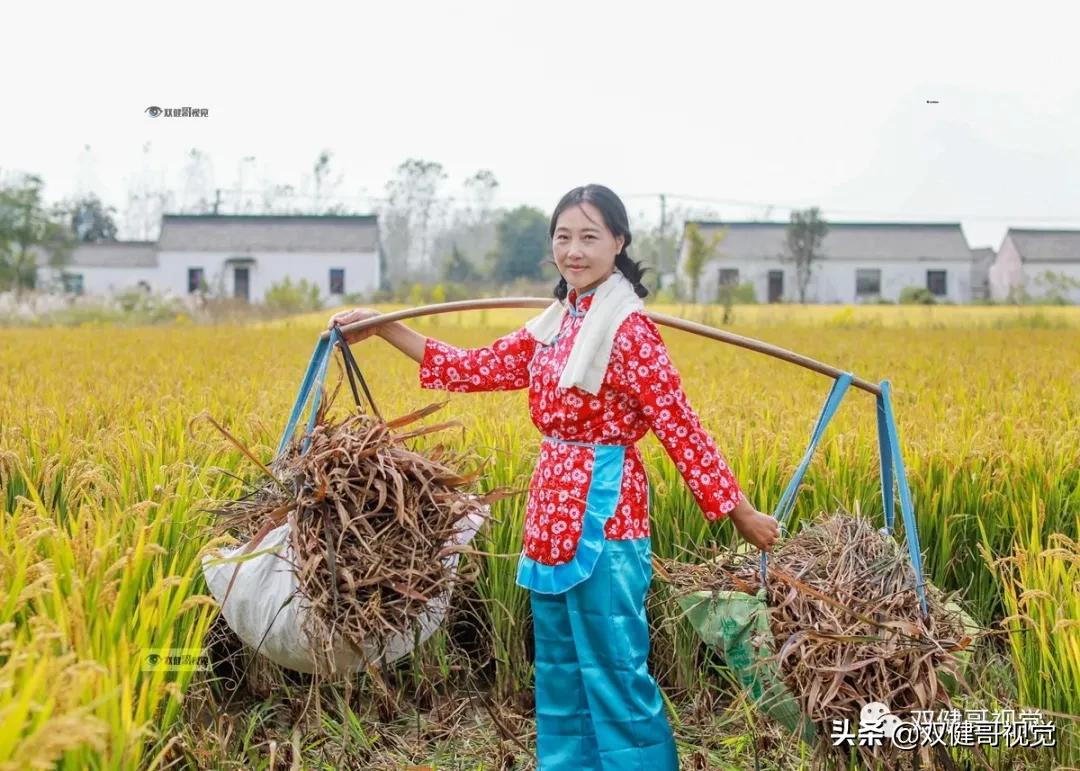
860	262
1027	256
243	255
102	268
238	256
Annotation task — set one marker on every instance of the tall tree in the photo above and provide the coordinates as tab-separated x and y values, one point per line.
472	226
86	177
279	199
90	220
326	187
413	205
480	190
28	229
804	236
148	199
698	253
522	242
244	202
456	268
198	195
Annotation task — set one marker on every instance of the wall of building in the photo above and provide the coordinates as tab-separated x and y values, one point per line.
100	281
1034	277
361	271
1007	272
833	281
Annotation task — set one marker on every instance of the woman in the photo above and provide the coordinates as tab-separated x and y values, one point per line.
599	378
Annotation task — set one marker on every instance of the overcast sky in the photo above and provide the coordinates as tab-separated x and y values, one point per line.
741	106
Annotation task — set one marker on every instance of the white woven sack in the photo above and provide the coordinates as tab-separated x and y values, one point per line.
266	611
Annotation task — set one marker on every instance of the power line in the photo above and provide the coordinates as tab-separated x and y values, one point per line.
862	212
378	200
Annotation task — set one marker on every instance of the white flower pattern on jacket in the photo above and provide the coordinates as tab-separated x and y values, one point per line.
641	391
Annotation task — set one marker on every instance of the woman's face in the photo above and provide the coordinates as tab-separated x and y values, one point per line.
584	248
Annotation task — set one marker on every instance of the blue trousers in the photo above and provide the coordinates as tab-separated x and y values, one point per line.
597	706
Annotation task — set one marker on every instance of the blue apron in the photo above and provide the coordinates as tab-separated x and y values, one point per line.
597	706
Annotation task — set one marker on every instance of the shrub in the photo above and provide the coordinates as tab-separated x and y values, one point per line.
744	294
287	297
917	295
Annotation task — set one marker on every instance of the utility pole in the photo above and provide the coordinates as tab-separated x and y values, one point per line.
663	229
217	199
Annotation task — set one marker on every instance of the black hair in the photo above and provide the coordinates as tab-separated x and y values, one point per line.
614	213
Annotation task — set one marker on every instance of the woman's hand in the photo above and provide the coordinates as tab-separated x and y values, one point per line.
757	528
349	317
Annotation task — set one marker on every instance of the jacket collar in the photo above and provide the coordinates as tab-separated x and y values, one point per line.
578	305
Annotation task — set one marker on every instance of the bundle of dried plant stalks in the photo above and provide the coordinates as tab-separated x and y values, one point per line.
845	617
371	522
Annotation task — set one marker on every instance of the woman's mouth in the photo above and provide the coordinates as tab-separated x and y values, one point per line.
575	268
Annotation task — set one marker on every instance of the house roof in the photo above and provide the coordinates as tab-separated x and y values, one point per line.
268	233
1046	245
108	254
848	240
983	255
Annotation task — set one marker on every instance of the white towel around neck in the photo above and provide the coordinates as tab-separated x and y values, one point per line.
613	301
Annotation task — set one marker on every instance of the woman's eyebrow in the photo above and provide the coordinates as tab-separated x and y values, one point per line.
586	229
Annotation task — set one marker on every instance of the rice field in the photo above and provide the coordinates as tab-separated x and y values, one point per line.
102	481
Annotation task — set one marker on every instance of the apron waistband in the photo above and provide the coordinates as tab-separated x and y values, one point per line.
587	444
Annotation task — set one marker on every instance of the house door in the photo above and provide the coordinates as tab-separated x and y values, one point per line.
776	285
240	283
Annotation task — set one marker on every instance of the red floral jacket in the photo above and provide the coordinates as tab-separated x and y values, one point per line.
570	494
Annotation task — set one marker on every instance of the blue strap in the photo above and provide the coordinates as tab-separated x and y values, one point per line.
316	397
907	509
313	379
886	457
787	500
892	463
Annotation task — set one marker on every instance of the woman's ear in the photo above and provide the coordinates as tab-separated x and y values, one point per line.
620	242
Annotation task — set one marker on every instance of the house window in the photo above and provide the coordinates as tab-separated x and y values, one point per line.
195	280
776	286
935	282
729	276
867	282
73	282
337	280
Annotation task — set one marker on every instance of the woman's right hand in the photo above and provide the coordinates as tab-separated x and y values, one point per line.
348	317
760	529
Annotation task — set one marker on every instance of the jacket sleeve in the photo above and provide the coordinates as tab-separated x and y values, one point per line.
501	366
641	368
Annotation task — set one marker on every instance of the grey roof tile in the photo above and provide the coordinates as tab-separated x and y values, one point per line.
108	254
849	240
1046	245
267	233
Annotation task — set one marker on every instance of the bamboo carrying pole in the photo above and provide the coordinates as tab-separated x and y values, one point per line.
660	318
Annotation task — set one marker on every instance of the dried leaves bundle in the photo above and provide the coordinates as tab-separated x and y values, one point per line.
845	618
372	523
